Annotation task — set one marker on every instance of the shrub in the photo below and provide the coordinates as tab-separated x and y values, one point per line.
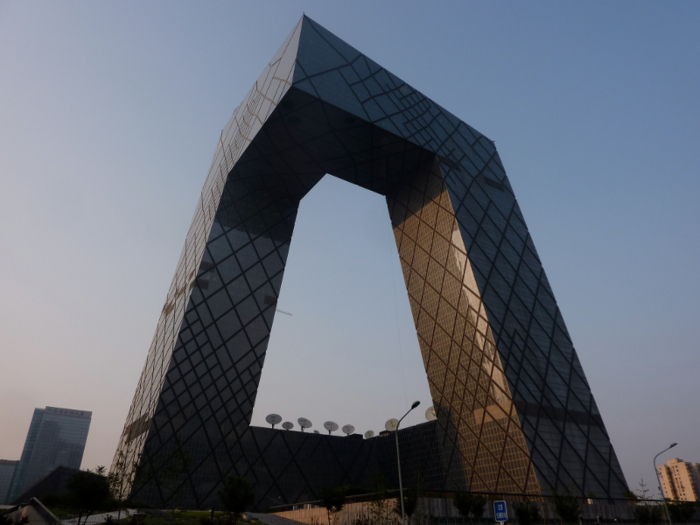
236	496
566	506
648	514
528	513
681	512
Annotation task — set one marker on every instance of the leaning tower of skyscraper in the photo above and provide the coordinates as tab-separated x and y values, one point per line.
515	414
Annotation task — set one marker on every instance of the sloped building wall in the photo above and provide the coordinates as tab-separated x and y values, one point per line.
515	413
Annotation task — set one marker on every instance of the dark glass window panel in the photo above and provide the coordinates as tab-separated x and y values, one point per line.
479	297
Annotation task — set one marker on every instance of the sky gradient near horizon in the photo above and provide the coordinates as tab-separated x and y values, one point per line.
109	117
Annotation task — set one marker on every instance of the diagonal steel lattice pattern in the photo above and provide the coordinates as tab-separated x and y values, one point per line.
515	412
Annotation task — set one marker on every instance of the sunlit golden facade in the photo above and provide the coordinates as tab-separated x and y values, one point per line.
515	413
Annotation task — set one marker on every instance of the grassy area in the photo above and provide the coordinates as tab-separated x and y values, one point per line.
61	514
196	514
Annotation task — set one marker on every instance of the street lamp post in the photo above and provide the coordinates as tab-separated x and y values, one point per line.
658	479
398	460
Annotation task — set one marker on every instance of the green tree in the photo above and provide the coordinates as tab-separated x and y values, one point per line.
236	496
566	506
469	505
118	480
380	507
332	500
528	513
410	502
89	491
643	493
630	495
478	506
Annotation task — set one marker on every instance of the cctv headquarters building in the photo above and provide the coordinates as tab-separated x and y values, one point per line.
515	414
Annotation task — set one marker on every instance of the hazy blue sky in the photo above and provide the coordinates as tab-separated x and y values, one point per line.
109	116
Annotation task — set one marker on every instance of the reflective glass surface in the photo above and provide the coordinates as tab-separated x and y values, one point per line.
7	471
56	437
515	413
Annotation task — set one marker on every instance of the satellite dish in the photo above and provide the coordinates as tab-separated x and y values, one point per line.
330	426
348	429
287	425
369	434
392	424
430	414
304	423
274	419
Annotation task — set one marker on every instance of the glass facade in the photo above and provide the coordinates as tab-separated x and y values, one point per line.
7	471
515	413
56	437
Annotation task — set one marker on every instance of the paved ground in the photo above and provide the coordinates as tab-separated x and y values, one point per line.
271	519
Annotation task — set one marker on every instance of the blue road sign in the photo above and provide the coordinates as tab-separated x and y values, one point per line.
500	511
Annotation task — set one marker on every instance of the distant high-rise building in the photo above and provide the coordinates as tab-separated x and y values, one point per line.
56	437
680	480
7	470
